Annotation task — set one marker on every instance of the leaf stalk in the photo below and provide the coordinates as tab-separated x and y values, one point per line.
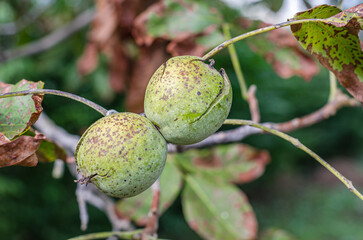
85	101
301	146
256	32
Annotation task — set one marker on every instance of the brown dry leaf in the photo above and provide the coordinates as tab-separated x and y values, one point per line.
186	43
102	29
111	33
149	60
21	151
88	62
105	22
139	30
120	68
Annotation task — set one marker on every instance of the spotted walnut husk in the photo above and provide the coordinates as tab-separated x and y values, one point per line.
122	154
187	99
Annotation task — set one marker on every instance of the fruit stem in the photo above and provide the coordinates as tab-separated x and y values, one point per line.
299	145
255	32
235	62
85	101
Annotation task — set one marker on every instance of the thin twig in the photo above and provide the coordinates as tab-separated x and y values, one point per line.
85	101
89	194
301	146
328	110
253	103
12	28
50	40
238	134
255	32
82	206
153	220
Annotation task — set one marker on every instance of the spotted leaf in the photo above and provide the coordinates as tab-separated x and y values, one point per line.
335	43
217	210
237	163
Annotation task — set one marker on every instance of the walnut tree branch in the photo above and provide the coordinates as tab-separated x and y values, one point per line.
341	100
153	220
253	103
50	40
84	195
302	147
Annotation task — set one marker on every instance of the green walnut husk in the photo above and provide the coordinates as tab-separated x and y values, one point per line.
122	154
187	99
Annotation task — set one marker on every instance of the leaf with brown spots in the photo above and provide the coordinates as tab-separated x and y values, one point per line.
21	151
137	208
217	210
335	43
17	114
149	60
237	163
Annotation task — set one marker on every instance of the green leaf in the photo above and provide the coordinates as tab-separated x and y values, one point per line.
137	208
237	163
335	43
48	150
176	18
274	5
217	210
17	114
188	25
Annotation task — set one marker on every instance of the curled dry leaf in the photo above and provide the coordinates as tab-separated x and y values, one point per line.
102	30
129	31
149	60
21	151
88	62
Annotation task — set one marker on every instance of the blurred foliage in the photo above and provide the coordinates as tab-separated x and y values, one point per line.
33	205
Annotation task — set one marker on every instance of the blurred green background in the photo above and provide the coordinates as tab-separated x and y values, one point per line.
294	194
